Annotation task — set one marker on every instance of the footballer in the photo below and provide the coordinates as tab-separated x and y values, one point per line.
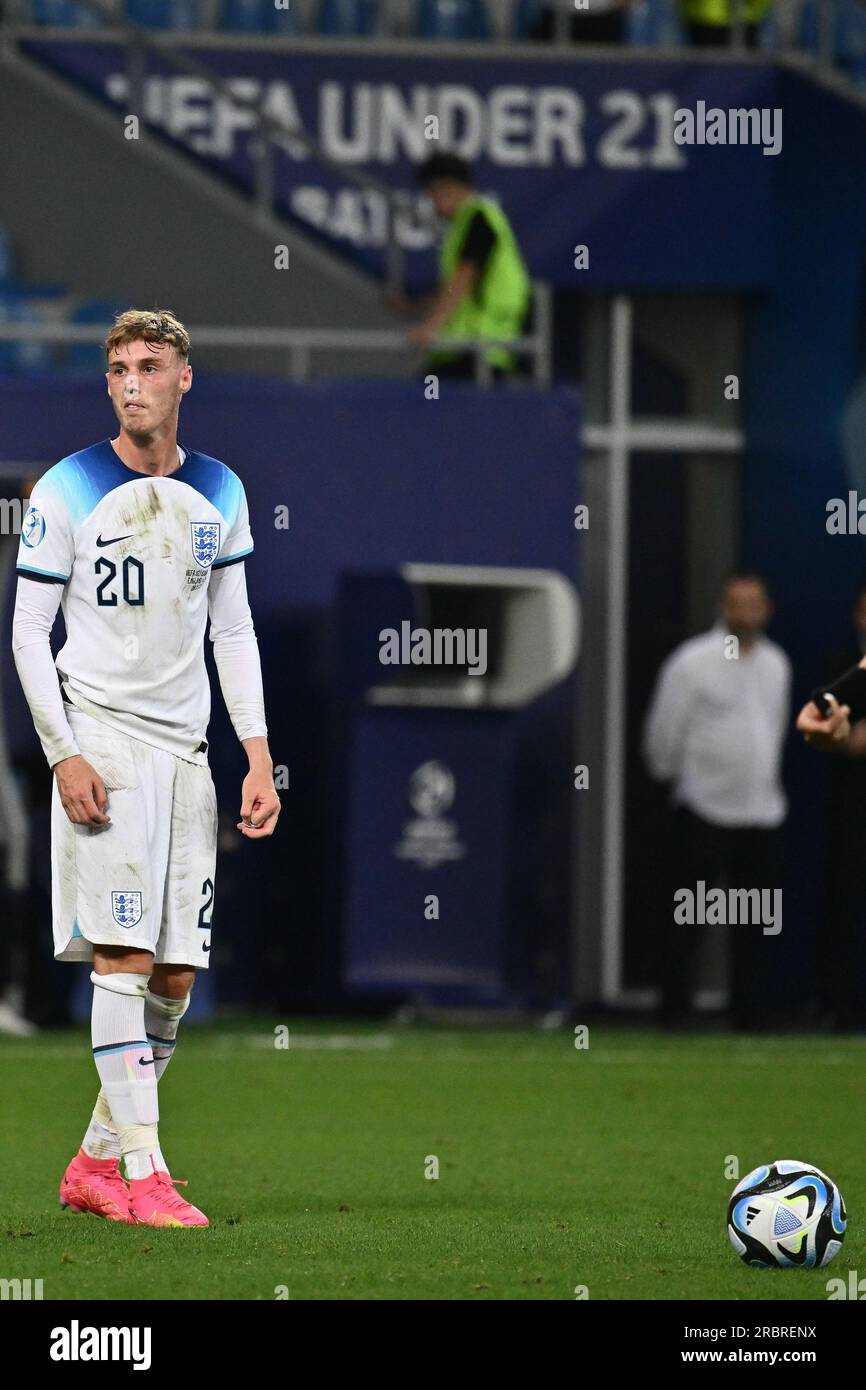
141	542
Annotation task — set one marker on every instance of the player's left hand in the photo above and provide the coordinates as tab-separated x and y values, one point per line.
260	806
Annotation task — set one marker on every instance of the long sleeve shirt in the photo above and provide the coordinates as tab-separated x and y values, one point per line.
716	728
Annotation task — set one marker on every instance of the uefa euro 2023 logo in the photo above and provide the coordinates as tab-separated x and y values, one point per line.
431	839
32	527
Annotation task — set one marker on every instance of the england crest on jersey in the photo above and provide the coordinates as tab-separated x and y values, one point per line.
126	907
205	542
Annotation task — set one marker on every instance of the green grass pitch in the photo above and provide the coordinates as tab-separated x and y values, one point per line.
558	1167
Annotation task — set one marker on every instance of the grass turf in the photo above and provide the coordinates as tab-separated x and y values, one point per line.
558	1167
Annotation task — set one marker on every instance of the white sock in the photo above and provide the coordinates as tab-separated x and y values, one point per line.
161	1021
101	1139
124	1060
143	1163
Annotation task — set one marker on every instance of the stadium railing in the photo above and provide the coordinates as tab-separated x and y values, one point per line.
789	25
299	344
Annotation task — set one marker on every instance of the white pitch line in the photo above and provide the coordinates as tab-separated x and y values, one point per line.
724	1058
307	1042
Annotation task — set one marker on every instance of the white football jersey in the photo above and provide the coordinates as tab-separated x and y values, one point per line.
135	554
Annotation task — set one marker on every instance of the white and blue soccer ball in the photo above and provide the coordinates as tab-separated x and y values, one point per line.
787	1214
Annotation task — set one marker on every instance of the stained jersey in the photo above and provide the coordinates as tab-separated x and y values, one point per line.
135	555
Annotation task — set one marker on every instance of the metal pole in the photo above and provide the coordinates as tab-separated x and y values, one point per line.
738	29
136	66
543	369
299	360
264	172
483	370
395	259
616	638
825	35
561	24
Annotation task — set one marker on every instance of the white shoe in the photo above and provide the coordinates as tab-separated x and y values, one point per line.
15	1025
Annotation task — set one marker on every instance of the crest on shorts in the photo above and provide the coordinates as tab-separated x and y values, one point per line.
205	542
126	907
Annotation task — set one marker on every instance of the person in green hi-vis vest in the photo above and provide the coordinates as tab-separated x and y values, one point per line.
484	289
708	22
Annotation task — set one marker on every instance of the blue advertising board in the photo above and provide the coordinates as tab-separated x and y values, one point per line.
428	853
633	160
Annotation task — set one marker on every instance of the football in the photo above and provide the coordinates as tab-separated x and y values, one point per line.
786	1214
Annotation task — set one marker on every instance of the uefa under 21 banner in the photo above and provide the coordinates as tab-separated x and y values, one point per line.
664	172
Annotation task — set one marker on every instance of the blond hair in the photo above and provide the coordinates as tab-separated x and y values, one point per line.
149	326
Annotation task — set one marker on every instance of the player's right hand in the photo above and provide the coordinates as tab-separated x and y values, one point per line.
82	791
824	733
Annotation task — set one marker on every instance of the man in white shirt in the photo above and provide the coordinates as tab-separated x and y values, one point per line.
140	542
715	732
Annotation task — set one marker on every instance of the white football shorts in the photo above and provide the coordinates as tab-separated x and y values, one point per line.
145	881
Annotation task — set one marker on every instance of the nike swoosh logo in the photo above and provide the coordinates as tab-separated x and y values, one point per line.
207	947
114	539
143	1062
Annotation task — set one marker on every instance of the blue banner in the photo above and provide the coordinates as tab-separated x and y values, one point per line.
661	171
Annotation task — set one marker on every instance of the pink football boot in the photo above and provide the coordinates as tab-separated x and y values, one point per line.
96	1185
154	1202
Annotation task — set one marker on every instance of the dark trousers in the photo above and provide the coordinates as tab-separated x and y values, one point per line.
740	857
584	28
842	921
459	368
719	35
